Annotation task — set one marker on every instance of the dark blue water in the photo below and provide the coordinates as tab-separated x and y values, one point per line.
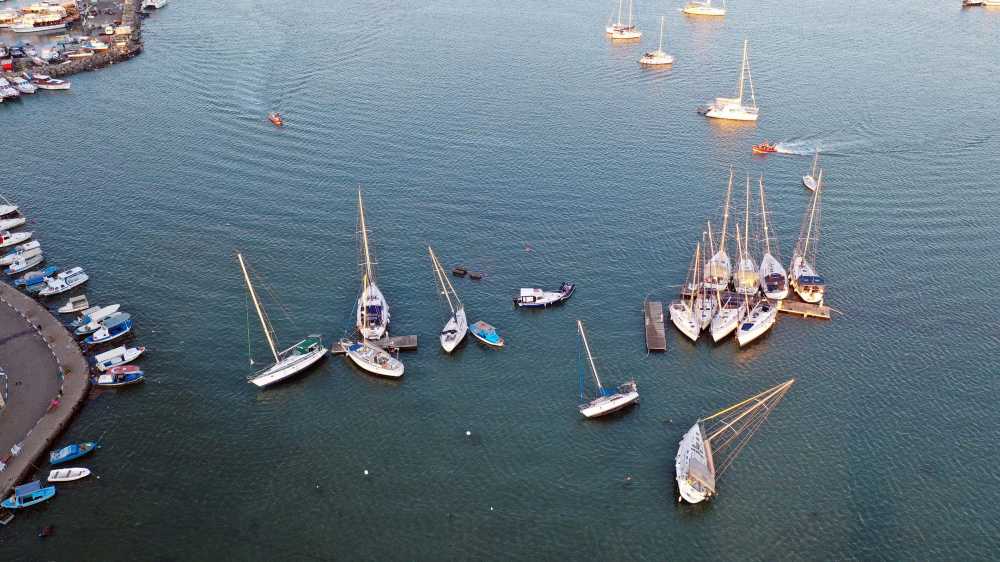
483	130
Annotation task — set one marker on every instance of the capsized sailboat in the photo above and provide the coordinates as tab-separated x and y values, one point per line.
711	445
457	326
682	311
733	108
609	400
773	278
373	310
289	362
805	281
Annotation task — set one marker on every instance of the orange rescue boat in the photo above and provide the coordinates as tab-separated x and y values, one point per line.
275	118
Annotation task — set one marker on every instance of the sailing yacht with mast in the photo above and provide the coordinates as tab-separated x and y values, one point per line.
718	269
289	362
457	326
805	281
732	311
609	400
612	27
746	278
810	180
703	9
773	278
682	311
625	31
658	56
759	319
711	445
373	310
733	108
705	302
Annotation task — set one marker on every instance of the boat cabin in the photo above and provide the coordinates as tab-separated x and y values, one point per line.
308	345
531	296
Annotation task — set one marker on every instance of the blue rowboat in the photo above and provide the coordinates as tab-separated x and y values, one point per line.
486	333
34	277
71	452
28	494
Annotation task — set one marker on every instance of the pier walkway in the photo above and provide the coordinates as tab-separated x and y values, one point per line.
41	360
655	337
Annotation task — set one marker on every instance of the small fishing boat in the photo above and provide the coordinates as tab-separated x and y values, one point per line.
96	44
7	209
82	319
65	281
9	257
610	400
707	450
457	326
129	375
758	320
25	261
34	277
810	180
14	222
112	328
657	57
74	304
7	91
971	3
703	9
373	359
28	494
682	311
809	286
765	147
68	474
773	278
275	118
536	297
486	334
119	356
52	84
733	108
732	311
71	452
90	323
7	238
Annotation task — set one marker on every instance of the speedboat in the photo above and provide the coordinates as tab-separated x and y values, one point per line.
275	118
24	87
8	238
90	323
116	357
119	376
537	298
34	277
112	328
28	494
760	320
372	359
25	261
486	334
765	147
72	452
730	314
68	474
65	281
14	222
74	304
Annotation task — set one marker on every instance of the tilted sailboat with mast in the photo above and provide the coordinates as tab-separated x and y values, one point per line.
457	326
773	278
682	311
733	108
289	362
609	400
711	445
805	281
373	310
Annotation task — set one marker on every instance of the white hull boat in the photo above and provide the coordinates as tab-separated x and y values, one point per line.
24	87
7	224
623	31
31	28
810	180
8	238
53	84
68	474
373	310
153	4
705	308
65	281
703	9
117	356
733	108
809	286
694	466
7	209
683	319
657	57
303	355
12	255
760	320
610	400
718	271
457	326
75	304
92	322
25	261
731	313
773	279
372	359
85	317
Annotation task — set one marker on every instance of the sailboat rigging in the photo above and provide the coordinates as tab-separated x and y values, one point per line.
609	400
718	269
810	180
457	326
658	56
629	31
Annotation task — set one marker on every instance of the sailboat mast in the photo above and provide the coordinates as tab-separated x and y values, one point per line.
815	161
746	227
589	357
761	402
763	214
620	12
661	33
364	236
441	278
711	249
743	70
630	13
256	305
812	215
725	216
697	265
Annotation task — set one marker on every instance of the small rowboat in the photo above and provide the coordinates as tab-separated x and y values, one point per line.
765	148
71	452
68	474
275	118
28	494
486	334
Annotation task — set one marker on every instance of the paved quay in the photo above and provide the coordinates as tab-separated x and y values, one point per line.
41	360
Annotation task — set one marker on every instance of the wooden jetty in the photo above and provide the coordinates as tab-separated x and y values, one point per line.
655	338
804	308
402	343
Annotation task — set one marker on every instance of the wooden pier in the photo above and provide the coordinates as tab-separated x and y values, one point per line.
402	343
804	308
655	338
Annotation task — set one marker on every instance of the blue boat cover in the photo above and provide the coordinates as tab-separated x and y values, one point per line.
810	280
28	488
356	347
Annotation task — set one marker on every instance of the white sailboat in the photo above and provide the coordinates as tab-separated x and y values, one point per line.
682	311
658	56
612	27
625	31
457	326
373	359
708	449
746	278
289	362
773	278
373	310
805	281
609	400
705	303
703	9
733	108
759	319
810	180
718	269
732	311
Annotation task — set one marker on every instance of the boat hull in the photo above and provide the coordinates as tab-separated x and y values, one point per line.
681	317
731	115
454	331
377	310
288	368
608	404
67	454
691	449
116	357
809	182
759	321
111	381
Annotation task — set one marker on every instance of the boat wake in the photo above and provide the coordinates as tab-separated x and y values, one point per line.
809	147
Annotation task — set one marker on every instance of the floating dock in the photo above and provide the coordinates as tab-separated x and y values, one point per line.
655	338
804	308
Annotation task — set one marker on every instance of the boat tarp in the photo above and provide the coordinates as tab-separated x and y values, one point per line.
116	352
28	488
117	319
814	280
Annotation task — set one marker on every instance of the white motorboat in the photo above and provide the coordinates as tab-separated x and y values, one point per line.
658	57
703	9
533	298
625	31
153	4
112	328
810	286
773	279
68	474
682	311
610	400
708	449
7	238
289	362
373	310
7	209
25	261
9	257
97	45
733	108
90	323
7	91
117	356
84	316
457	325
810	180
759	320
373	359
74	304
24	87
13	222
64	282
52	84
732	310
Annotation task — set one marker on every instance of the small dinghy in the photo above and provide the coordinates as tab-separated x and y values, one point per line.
25	261
486	334
7	238
68	474
34	278
7	209
6	224
275	118
372	359
536	297
75	304
10	256
72	452
6	517
28	494
112	328
110	360
90	323
65	281
121	375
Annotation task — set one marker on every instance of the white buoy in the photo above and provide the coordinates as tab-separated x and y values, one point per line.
468	433
366	473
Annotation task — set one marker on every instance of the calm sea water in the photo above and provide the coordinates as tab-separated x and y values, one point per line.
483	129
